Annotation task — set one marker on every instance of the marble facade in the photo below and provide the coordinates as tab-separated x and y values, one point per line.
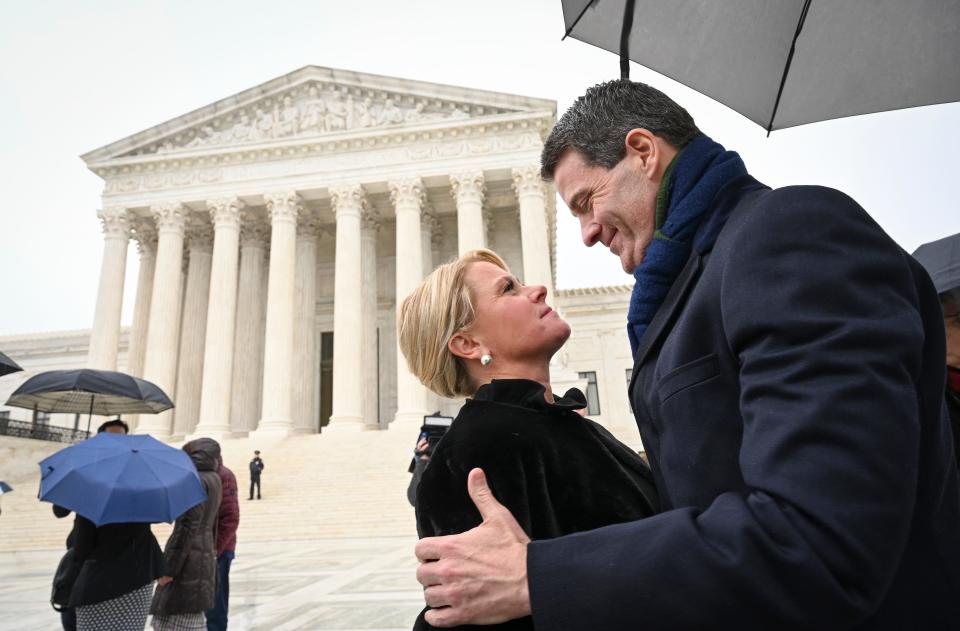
309	206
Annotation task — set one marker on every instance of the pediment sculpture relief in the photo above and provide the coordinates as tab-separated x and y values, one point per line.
313	110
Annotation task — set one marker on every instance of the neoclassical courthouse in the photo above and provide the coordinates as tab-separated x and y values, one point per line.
277	230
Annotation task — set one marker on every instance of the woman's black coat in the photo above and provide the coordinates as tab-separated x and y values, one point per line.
117	559
557	472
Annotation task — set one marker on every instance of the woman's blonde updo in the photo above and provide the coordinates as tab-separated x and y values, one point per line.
429	317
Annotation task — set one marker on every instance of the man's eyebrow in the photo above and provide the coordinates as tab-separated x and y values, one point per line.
577	200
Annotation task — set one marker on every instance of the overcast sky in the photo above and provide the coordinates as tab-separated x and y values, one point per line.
75	76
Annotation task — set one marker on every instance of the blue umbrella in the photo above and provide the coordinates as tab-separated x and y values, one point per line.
4	487
114	478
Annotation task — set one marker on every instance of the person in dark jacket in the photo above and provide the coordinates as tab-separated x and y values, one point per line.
189	583
950	302
473	329
256	468
68	617
941	259
228	519
119	563
788	387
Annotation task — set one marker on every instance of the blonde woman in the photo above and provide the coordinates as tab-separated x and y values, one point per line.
472	329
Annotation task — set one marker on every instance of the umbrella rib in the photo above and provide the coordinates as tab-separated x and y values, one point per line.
786	67
577	21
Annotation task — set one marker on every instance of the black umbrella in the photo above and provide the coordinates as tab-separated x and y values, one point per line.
789	62
8	366
90	392
941	259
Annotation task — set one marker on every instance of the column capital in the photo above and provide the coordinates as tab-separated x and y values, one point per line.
199	234
308	225
170	217
254	232
144	232
468	186
371	220
284	206
347	199
115	222
408	192
225	211
527	181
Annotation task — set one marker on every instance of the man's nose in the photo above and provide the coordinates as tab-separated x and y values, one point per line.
589	231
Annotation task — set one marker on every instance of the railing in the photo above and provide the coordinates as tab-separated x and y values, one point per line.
52	433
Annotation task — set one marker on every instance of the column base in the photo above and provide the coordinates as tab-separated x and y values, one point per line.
344	422
408	418
160	431
272	429
217	433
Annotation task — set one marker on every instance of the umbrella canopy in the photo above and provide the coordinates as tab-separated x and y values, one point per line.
941	259
790	62
114	478
4	487
8	366
89	391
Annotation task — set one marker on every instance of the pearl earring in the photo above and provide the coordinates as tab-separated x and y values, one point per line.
485	360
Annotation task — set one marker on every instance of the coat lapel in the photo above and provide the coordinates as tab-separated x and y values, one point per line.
666	314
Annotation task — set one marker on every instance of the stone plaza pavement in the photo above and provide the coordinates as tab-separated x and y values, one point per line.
342	584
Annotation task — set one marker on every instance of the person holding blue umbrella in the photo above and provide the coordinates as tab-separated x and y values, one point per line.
118	485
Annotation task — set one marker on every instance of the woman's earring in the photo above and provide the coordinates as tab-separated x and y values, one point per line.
485	360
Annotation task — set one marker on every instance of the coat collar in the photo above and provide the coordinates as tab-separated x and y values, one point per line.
737	193
525	393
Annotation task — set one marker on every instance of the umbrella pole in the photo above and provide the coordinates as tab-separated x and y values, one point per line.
90	415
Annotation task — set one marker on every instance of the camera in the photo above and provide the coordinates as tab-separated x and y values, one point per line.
434	427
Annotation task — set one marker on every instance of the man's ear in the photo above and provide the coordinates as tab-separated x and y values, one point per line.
642	148
464	346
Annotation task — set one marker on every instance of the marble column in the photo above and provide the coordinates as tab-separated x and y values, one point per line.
368	360
193	326
534	236
277	416
408	198
348	204
160	364
105	335
214	418
468	189
306	369
428	220
145	233
247	388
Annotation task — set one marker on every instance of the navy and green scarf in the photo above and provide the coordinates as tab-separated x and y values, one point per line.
689	186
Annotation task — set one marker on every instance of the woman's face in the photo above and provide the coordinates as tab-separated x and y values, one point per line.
513	321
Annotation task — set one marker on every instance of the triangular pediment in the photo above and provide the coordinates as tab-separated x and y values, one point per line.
315	101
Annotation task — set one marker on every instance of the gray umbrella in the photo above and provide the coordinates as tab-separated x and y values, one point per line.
941	259
787	62
8	366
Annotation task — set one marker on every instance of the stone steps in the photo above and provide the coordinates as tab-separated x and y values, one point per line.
342	483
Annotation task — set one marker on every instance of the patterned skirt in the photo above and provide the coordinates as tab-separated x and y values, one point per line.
181	622
123	613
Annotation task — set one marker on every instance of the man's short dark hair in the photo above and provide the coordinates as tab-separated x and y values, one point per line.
114	422
597	123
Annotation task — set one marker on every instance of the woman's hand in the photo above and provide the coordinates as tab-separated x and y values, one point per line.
164	580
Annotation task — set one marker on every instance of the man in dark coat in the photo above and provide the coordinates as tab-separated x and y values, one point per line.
788	387
256	468
228	519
